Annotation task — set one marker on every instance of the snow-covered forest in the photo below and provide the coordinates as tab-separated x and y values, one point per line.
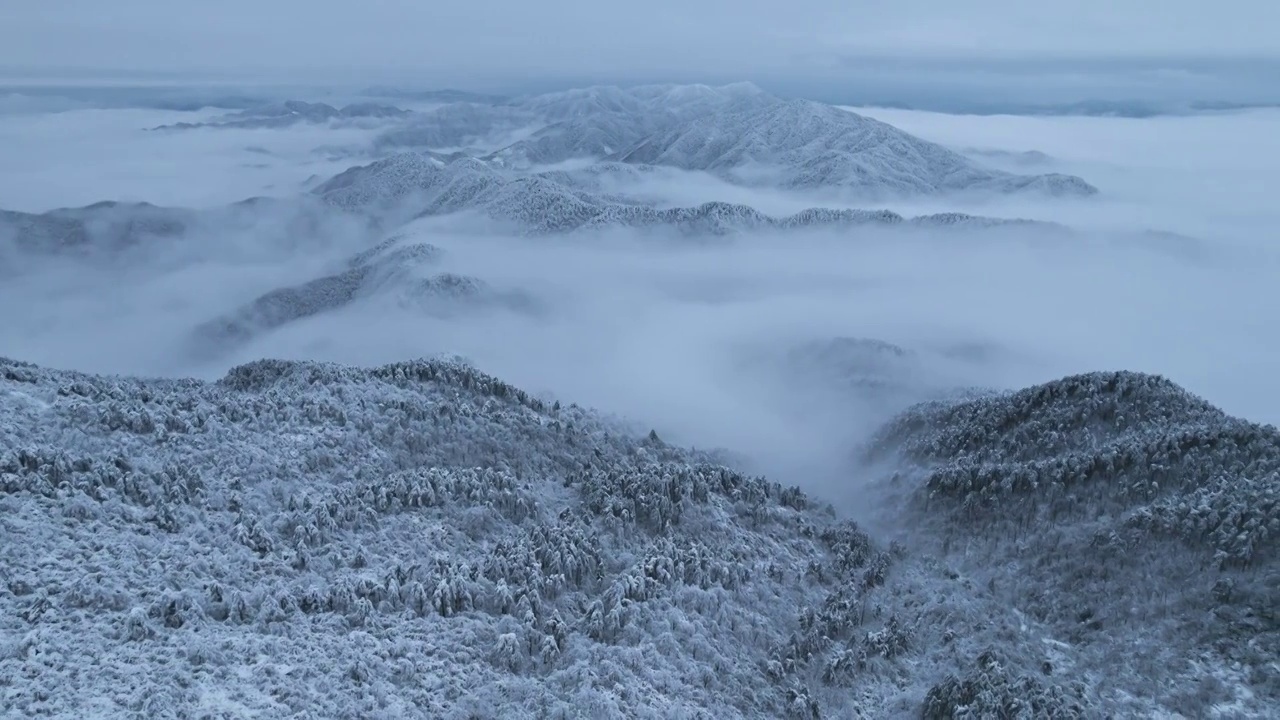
421	538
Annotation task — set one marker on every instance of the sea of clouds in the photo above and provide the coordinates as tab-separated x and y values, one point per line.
1172	270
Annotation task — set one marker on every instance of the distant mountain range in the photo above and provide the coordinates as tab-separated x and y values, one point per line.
397	268
427	184
424	183
464	160
738	132
814	146
292	112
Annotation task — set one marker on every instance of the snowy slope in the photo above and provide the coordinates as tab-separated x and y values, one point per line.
598	122
803	144
394	270
423	540
1132	523
736	131
563	124
423	184
375	198
417	540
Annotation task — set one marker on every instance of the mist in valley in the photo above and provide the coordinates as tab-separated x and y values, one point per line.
1169	271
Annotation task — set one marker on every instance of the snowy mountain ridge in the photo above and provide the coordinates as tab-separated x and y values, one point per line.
738	132
292	112
402	272
550	202
482	551
812	145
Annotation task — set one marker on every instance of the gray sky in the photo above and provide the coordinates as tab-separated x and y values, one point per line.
486	39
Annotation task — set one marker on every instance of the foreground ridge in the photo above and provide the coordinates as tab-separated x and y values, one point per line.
414	538
1113	510
423	538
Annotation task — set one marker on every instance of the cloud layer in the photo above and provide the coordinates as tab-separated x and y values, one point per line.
484	39
690	337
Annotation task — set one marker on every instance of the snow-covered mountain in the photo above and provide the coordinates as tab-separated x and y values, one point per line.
423	538
600	122
480	551
292	112
736	131
1113	510
424	184
395	270
804	144
375	198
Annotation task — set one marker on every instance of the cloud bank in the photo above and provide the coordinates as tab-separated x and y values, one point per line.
695	338
552	38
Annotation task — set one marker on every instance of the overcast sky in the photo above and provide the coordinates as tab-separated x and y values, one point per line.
505	38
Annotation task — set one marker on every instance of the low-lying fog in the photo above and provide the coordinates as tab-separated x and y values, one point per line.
79	157
690	337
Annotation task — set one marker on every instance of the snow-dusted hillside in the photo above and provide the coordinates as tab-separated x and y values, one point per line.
599	122
736	131
395	270
416	540
423	540
803	144
423	184
374	199
510	161
1131	524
